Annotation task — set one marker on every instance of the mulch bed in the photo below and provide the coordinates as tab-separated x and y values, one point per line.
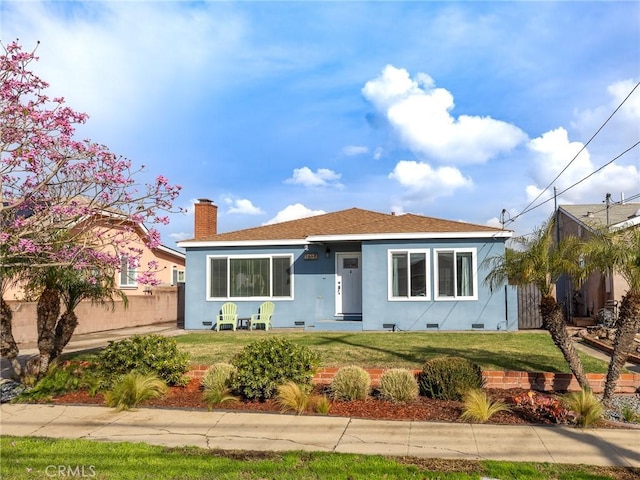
422	409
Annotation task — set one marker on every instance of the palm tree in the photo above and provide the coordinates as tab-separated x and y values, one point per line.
541	261
76	286
67	286
619	252
8	346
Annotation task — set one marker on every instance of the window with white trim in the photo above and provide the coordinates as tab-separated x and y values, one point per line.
409	272
128	272
456	274
177	276
249	276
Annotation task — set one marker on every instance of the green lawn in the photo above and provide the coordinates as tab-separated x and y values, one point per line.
533	351
27	458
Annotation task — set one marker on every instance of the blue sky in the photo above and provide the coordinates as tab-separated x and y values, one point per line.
276	110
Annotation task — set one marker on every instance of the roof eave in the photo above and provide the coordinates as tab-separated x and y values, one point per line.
346	238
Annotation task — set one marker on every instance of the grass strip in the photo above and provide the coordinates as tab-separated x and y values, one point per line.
26	458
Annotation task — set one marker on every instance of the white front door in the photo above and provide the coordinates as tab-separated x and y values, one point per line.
348	284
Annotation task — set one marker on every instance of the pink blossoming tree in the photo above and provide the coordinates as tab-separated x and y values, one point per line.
65	202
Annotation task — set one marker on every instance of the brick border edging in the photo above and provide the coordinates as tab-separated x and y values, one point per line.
541	381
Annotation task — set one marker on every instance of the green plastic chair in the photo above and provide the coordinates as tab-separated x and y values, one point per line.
263	316
228	316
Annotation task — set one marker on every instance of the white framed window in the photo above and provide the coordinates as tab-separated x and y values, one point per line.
178	276
409	275
128	272
456	274
249	276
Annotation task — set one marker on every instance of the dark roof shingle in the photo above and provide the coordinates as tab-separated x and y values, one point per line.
354	221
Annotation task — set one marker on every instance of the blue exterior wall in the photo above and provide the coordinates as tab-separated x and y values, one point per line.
314	289
497	310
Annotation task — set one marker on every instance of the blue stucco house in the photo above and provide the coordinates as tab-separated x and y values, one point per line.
349	270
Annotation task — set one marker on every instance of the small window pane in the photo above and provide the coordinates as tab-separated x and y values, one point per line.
399	275
218	273
464	271
445	274
281	277
418	275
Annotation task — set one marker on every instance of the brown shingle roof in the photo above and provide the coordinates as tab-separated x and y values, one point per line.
353	221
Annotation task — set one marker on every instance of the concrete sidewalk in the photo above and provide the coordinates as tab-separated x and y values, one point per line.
275	432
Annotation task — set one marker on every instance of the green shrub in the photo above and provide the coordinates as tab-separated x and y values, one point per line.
153	354
478	407
134	388
586	406
350	383
264	365
218	376
398	385
63	378
448	378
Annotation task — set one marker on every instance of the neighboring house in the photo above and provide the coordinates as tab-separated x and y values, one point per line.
349	270
581	221
147	305
170	266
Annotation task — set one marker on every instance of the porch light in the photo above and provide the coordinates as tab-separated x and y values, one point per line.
327	252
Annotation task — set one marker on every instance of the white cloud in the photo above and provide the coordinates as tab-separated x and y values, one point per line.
420	115
427	183
104	54
621	130
323	177
243	207
552	151
353	150
294	212
377	154
178	236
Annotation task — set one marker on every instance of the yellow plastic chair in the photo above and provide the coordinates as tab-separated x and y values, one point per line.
263	316
228	316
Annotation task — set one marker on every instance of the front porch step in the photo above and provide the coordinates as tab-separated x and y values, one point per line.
334	326
583	321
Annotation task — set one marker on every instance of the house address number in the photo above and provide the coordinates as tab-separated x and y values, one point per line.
311	256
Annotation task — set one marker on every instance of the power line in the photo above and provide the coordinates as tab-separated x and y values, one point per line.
528	208
575	184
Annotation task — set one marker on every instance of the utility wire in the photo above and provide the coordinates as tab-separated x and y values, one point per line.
528	208
576	183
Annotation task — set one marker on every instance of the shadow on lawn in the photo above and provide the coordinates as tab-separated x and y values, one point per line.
484	358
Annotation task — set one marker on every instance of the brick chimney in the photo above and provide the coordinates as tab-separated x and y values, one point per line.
206	219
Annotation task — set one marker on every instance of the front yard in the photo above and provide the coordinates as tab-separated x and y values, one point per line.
529	351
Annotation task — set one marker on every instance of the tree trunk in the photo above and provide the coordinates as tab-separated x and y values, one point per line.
64	331
48	312
627	327
553	322
8	347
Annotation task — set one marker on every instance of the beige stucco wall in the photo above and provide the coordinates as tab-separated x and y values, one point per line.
161	306
595	290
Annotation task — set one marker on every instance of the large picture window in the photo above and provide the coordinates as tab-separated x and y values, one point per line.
409	272
249	276
456	274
